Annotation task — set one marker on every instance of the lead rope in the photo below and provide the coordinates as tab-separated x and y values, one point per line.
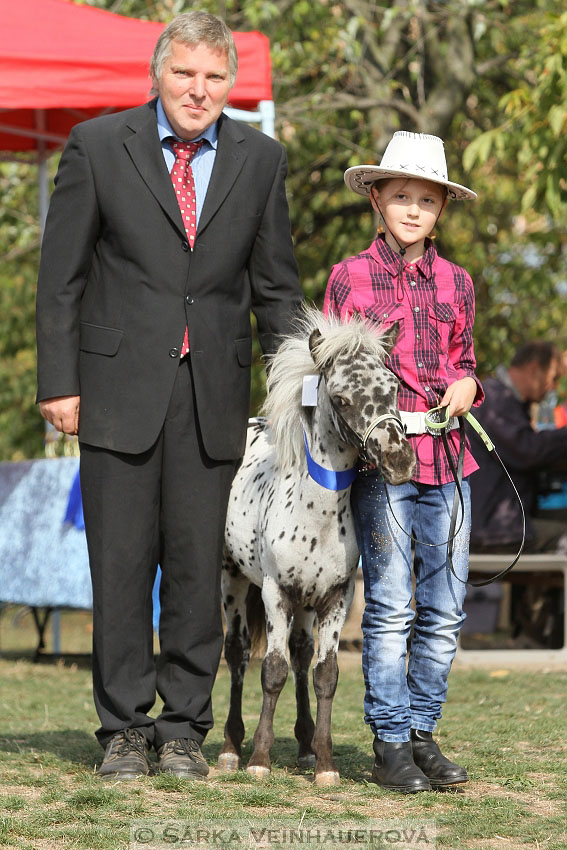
437	420
458	473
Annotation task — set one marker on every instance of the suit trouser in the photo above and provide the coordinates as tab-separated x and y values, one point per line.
166	505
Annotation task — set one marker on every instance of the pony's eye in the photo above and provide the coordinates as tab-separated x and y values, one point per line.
340	401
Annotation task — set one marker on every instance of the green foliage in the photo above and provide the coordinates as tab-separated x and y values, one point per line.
21	427
533	135
516	248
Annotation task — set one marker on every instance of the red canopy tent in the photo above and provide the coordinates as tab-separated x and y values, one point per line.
61	63
74	61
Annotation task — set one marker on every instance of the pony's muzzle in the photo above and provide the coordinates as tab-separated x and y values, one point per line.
397	465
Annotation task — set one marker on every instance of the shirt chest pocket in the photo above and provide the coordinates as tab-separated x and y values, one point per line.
442	317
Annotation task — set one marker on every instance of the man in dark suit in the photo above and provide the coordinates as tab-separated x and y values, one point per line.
124	286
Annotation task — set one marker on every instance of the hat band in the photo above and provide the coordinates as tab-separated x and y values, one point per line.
419	170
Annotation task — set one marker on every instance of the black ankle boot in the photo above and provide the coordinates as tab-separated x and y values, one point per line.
438	769
395	769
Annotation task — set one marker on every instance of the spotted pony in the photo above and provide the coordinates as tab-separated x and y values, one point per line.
293	537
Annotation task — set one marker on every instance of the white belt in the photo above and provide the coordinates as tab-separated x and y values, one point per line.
414	422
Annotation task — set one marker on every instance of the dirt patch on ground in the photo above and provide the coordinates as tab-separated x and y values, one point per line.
532	800
499	842
23	791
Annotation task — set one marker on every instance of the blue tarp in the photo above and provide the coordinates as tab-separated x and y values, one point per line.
43	559
43	549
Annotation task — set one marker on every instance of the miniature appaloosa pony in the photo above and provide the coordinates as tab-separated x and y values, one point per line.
293	537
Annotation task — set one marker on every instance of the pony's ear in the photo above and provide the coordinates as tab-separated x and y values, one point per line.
388	339
315	338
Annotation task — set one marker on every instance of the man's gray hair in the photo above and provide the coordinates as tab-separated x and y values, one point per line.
193	28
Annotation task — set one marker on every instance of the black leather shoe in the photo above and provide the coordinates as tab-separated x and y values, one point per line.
438	769
126	756
395	769
183	758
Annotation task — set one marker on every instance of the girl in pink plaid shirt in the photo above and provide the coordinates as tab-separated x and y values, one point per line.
401	278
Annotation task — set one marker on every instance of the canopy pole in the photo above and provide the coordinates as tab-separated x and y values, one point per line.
267	111
265	116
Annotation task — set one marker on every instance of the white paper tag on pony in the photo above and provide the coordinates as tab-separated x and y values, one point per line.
309	393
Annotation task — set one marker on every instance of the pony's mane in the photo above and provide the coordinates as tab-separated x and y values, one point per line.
294	360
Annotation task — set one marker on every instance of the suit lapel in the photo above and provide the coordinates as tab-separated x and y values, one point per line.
229	160
145	151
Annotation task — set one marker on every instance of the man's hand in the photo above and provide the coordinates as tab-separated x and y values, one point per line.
62	412
459	396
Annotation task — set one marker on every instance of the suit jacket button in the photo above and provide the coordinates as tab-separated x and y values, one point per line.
174	352
185	246
189	299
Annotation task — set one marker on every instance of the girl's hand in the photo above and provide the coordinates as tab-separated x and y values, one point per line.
459	396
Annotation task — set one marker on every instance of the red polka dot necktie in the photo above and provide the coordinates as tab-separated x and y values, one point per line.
184	185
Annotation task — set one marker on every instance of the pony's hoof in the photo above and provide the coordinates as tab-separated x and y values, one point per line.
327	777
228	762
306	762
257	771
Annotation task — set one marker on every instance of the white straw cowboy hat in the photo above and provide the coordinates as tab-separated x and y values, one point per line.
415	155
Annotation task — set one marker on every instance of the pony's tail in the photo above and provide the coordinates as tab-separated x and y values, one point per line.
256	617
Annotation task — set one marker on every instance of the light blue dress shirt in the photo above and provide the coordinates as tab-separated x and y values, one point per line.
201	164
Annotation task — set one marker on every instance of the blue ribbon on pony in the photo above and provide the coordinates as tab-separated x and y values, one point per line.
328	478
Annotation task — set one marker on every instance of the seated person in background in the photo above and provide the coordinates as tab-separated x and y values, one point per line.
526	453
560	408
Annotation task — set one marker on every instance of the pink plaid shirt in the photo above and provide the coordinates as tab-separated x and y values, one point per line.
433	302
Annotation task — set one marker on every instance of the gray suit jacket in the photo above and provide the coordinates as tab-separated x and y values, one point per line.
118	283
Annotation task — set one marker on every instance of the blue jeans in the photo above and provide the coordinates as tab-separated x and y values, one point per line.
406	688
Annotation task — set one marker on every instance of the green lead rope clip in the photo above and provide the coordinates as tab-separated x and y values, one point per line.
474	423
437	419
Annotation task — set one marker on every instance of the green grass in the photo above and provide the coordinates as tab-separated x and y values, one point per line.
509	731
